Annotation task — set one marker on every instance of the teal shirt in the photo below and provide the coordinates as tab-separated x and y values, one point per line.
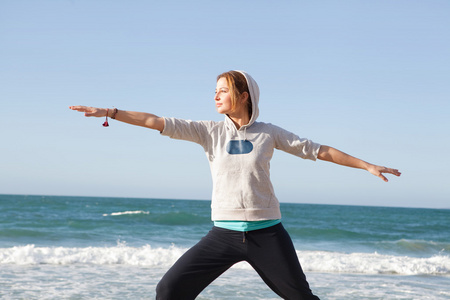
246	225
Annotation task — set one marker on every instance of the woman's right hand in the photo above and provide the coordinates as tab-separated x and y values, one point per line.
90	111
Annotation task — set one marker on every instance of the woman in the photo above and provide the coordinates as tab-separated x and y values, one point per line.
245	211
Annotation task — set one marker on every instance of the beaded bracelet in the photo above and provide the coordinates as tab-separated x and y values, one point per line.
114	113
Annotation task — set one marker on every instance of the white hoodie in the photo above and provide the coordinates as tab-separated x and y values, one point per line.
240	159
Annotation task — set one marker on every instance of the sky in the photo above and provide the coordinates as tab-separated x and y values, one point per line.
371	78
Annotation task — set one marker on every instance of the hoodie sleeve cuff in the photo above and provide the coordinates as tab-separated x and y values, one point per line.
169	127
315	151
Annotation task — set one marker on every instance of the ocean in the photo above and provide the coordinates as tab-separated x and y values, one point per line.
55	247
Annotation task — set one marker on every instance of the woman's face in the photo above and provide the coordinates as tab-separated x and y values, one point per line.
223	97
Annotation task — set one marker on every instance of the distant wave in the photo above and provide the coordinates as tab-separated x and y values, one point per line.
377	242
171	218
312	261
414	246
135	212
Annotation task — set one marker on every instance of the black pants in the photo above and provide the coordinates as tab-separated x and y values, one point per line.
269	251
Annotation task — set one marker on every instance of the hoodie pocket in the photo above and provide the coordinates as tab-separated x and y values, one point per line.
239	147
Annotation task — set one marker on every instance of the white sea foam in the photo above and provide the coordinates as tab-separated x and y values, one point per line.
373	263
135	212
123	255
312	261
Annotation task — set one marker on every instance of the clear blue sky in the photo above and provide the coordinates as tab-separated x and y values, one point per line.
371	78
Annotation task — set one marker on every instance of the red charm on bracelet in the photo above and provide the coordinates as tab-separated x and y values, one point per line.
106	121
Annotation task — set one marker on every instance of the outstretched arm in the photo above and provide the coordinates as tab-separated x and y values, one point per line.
130	117
338	157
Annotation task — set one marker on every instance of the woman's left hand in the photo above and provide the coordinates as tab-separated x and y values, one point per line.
379	170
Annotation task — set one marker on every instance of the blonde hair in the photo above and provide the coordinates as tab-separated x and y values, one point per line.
238	85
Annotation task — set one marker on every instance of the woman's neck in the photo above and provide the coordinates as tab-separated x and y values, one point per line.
239	120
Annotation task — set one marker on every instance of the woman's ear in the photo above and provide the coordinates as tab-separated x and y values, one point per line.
244	97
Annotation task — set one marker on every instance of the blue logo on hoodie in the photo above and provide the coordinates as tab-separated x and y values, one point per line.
239	147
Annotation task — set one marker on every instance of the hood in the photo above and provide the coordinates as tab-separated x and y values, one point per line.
254	95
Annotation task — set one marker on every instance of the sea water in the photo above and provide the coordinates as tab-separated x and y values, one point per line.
55	247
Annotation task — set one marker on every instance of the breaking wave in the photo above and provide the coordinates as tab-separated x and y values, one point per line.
312	261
